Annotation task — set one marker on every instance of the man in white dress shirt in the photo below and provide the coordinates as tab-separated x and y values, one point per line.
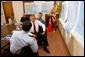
35	30
21	39
37	23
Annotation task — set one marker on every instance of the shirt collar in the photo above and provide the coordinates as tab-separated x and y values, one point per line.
24	31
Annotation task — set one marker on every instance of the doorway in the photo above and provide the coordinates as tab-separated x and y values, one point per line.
8	11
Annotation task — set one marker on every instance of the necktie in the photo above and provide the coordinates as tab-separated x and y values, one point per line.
34	27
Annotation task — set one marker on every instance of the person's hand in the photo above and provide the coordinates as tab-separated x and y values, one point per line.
43	33
34	35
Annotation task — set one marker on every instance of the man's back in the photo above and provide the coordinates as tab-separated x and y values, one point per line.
21	39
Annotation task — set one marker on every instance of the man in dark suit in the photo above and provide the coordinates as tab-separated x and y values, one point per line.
42	38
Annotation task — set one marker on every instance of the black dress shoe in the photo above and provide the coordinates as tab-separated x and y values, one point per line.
45	49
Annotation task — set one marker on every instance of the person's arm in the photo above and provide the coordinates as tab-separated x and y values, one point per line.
32	35
33	45
42	25
12	43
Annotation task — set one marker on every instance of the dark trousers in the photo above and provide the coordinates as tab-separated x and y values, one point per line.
26	51
42	39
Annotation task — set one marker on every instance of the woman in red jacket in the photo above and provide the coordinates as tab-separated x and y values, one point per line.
52	22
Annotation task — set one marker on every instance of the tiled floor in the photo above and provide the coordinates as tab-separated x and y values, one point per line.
57	46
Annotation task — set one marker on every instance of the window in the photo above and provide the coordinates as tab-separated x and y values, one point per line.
29	7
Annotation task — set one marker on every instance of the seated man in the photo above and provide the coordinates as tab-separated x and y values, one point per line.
20	41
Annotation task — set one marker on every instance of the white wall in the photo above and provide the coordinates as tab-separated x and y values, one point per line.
74	41
2	15
18	10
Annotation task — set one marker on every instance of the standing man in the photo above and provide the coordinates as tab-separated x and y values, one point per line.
35	30
40	17
43	37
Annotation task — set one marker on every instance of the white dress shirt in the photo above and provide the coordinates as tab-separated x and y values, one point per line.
21	39
37	24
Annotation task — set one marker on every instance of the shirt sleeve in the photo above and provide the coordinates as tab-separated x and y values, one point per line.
33	45
29	33
41	24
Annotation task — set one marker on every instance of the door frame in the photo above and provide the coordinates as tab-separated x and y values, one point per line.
4	10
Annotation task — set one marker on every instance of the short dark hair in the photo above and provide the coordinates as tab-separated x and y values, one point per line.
40	13
32	15
26	25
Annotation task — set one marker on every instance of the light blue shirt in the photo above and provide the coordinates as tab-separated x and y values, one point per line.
21	39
